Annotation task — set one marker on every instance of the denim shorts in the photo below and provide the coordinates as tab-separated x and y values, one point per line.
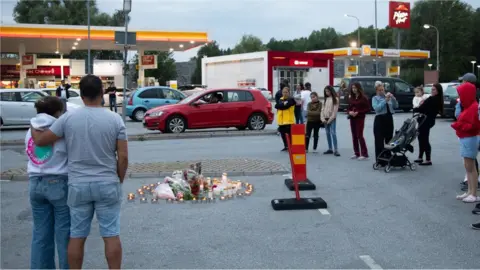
469	147
101	198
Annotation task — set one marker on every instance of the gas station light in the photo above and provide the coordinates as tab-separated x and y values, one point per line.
74	48
426	26
353	44
127	6
57	52
78	39
171	49
181	45
76	43
473	62
192	42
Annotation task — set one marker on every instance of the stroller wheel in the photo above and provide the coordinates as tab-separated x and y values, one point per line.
388	168
376	166
413	166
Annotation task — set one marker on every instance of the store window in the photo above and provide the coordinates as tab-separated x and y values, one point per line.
30	96
8	96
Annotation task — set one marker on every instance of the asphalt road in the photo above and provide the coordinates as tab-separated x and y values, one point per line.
401	220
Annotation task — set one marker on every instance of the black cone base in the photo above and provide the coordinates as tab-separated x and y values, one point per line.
302	204
304	185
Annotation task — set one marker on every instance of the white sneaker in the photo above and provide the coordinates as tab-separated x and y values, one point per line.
463	196
353	157
471	199
315	151
362	158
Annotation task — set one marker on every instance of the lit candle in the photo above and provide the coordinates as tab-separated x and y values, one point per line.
152	185
139	190
144	187
222	198
131	197
141	193
181	200
204	199
143	200
240	194
154	200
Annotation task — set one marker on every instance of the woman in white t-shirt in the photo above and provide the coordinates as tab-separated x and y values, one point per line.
306	99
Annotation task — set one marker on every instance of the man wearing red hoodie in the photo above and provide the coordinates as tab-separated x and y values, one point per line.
467	128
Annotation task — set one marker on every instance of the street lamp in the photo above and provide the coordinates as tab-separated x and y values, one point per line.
478	72
427	26
473	65
430	66
89	44
358	24
127	7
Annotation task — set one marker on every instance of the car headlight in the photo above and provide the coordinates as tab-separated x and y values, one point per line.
156	114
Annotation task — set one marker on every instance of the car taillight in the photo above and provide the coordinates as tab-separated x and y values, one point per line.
130	100
269	106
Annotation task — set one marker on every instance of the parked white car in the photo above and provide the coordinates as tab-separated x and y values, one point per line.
17	105
265	92
119	94
74	95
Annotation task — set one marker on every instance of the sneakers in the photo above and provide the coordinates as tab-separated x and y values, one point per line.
362	158
476	210
463	196
314	151
426	163
336	154
471	199
328	152
476	226
284	149
354	157
418	160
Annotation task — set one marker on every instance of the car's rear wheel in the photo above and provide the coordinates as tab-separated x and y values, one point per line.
257	121
138	114
176	124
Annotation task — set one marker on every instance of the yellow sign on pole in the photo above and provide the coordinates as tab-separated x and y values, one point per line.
366	50
394	71
352	70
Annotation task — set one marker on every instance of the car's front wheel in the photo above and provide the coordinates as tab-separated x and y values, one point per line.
257	121
138	114
176	124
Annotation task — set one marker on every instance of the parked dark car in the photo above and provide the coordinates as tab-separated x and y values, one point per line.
450	99
402	90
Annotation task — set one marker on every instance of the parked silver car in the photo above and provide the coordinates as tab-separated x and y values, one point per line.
17	105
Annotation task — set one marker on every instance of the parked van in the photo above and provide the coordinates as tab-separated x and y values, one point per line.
402	90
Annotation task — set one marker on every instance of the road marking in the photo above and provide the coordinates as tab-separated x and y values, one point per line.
1	180
370	262
324	212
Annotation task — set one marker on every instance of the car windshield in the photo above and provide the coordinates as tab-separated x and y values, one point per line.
191	98
451	91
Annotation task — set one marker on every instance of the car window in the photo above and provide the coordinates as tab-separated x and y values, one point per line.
30	96
172	94
427	89
451	91
238	96
401	87
73	94
149	93
214	97
8	96
368	86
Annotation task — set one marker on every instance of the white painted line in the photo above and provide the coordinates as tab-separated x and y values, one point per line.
370	262
1	180
324	212
287	175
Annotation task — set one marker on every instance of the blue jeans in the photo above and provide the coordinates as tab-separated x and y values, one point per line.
112	103
331	131
298	115
101	198
51	221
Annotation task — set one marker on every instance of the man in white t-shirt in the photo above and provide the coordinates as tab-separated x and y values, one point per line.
306	99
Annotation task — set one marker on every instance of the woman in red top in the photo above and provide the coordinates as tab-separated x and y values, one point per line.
467	128
357	108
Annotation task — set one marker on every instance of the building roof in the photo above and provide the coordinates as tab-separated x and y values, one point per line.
40	38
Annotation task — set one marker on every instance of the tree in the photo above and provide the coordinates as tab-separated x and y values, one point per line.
165	70
210	50
249	43
68	12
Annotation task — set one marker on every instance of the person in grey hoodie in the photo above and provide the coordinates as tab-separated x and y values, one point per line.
48	189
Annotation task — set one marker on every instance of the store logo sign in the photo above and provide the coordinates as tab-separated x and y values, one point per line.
303	63
399	15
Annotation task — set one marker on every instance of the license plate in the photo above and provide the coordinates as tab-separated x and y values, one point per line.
446	102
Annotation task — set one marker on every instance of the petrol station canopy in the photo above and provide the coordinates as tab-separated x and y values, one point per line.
369	54
40	38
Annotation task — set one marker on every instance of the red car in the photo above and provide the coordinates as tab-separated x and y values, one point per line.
216	108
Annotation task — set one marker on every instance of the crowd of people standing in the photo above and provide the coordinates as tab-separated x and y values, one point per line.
306	107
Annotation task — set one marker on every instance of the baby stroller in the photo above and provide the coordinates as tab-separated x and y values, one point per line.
393	155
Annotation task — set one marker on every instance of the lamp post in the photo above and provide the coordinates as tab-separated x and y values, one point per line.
376	40
430	66
473	66
358	24
428	26
127	7
478	73
89	44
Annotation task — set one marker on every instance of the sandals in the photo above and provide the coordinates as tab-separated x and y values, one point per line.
471	199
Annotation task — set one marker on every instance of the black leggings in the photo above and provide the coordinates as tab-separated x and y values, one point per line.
315	126
424	142
284	132
383	132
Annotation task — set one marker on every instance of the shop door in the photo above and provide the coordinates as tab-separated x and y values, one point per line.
294	77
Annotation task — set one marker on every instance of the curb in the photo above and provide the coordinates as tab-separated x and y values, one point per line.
139	175
191	135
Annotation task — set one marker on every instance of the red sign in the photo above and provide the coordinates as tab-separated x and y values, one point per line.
301	63
27	60
148	60
12	71
399	15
